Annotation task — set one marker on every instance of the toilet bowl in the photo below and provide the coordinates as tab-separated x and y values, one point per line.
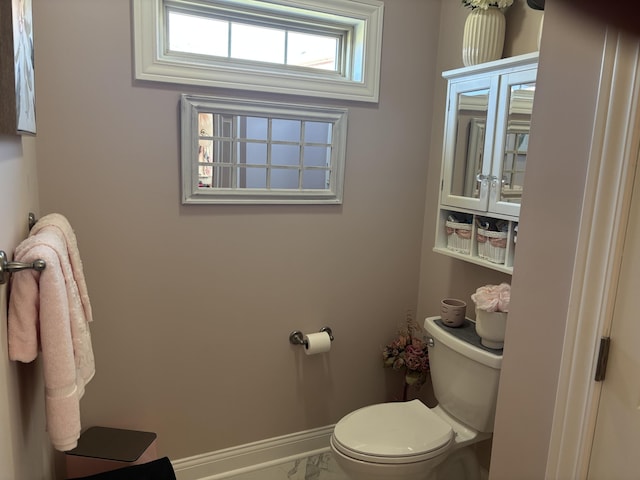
399	440
408	440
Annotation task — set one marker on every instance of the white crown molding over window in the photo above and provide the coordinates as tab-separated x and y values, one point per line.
360	80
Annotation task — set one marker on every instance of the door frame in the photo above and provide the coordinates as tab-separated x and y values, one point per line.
612	163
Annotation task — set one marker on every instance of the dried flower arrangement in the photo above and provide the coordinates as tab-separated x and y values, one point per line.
408	352
485	4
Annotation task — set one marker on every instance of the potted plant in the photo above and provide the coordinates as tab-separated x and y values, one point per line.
408	352
492	307
485	4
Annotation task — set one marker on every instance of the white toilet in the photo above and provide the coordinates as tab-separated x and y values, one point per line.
408	440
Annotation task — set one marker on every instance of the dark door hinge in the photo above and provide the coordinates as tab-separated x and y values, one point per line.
603	357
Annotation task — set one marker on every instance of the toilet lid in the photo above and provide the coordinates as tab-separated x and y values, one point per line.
398	432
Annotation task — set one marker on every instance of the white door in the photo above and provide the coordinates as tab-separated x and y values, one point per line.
615	454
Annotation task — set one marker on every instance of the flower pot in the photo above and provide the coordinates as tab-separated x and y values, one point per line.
453	311
483	38
490	327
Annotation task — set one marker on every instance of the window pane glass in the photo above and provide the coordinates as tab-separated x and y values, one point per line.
224	125
317	156
315	179
223	152
316	51
205	155
205	124
285	130
205	176
285	155
221	178
256	154
317	132
253	177
214	177
281	178
250	42
254	128
205	151
192	34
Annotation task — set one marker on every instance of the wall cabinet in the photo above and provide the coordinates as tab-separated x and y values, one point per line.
486	139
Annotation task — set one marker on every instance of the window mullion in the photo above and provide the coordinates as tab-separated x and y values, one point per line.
303	127
230	35
269	150
286	47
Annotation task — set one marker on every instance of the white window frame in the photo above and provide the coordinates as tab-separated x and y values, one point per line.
361	82
193	193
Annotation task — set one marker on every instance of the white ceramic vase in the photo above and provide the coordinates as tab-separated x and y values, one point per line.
490	327
483	38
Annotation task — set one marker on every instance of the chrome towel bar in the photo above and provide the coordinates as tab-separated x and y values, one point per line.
7	267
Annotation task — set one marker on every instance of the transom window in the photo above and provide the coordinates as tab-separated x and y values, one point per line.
321	48
247	38
237	152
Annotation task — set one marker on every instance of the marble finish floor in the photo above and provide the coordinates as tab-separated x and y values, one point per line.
461	465
316	467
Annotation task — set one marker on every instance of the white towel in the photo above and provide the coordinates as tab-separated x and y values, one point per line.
47	313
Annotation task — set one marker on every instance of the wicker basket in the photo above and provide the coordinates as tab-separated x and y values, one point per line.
458	237
492	246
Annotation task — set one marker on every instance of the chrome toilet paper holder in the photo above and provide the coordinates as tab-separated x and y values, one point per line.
297	337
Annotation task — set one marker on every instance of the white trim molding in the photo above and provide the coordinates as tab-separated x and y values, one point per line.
361	82
233	461
332	173
614	155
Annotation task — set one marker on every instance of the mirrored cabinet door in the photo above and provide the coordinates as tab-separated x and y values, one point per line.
468	147
484	161
512	141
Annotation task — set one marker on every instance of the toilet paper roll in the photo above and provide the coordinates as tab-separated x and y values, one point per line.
317	343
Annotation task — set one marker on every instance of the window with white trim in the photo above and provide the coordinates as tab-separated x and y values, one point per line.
321	48
239	151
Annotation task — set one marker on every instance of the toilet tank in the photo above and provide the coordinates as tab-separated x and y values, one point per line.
464	373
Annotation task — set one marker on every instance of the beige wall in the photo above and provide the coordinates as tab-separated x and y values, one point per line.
193	305
24	451
561	132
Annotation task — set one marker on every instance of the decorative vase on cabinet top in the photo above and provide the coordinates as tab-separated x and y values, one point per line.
483	38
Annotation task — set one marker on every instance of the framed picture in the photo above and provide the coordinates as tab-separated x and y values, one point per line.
17	88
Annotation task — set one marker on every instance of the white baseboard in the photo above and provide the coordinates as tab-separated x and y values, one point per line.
253	456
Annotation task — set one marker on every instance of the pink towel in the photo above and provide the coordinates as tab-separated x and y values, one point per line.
47	313
56	220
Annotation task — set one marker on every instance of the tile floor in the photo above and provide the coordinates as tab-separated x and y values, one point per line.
462	465
316	467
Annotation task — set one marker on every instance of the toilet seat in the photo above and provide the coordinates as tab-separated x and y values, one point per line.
392	433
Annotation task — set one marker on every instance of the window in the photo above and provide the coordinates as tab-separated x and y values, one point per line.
240	39
321	48
238	151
